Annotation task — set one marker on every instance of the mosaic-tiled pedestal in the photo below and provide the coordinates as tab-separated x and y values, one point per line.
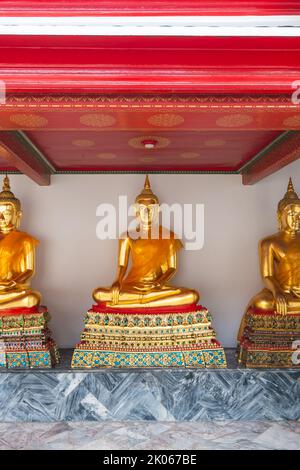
25	339
150	337
270	339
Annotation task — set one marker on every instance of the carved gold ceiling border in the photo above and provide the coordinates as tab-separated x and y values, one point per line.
148	101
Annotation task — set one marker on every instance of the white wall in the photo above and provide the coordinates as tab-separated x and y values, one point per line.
71	261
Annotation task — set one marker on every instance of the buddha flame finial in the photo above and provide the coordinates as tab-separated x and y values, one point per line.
290	197
147	194
290	188
6	184
147	183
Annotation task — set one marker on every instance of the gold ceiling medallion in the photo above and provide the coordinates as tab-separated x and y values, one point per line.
188	155
28	120
98	120
83	143
165	120
214	143
292	121
234	120
139	142
147	159
106	156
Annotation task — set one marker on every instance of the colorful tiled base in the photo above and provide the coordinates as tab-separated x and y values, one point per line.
160	337
269	339
29	359
275	357
198	358
25	339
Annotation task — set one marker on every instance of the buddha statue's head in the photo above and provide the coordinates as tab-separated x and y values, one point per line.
146	205
10	209
288	211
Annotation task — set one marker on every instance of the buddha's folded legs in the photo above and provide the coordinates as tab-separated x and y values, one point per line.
185	297
167	296
170	296
19	299
264	300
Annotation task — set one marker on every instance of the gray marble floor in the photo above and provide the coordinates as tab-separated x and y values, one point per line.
151	435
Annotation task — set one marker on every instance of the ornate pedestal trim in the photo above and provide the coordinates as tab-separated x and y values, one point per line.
269	338
160	337
25	339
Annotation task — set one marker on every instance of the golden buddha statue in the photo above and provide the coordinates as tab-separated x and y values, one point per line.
279	256
142	320
17	253
153	264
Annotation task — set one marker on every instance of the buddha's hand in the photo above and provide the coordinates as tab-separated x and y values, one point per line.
295	291
7	285
281	303
155	285
115	291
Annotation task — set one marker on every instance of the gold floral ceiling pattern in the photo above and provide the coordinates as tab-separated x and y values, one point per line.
106	156
165	120
214	143
28	120
234	120
98	120
188	155
84	143
292	121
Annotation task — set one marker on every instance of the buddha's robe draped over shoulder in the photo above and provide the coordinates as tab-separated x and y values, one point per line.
150	258
15	248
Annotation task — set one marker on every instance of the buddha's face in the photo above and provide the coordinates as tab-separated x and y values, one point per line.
147	212
290	218
9	217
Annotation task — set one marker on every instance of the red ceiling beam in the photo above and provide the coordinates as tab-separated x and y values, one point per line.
31	64
281	152
146	7
21	154
141	82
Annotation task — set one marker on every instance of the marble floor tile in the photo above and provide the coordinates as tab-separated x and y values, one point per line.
151	435
277	437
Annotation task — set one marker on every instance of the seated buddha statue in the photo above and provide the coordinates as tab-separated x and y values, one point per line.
17	252
279	256
153	262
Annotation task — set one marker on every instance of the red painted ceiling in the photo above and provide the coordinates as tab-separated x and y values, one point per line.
92	150
87	103
107	133
123	150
